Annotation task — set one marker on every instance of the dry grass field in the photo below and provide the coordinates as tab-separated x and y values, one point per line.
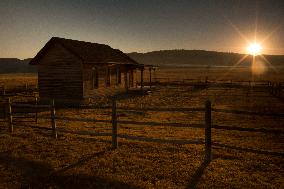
12	80
32	158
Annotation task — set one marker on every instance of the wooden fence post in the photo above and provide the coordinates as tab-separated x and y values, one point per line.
26	88
280	89
150	77
36	103
53	122
141	79
114	125
269	87
208	126
4	90
274	89
10	116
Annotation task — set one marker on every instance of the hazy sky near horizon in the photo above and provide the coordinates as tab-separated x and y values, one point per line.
142	25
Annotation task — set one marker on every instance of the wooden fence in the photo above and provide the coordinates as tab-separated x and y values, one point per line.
275	88
206	125
11	90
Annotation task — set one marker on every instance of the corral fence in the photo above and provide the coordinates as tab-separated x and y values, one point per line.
13	109
27	88
274	88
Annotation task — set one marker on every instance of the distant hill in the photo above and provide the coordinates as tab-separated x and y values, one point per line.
14	65
197	58
159	58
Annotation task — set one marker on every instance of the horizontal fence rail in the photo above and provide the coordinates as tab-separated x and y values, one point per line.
187	125
30	105
162	109
244	112
234	128
10	90
14	116
78	119
161	141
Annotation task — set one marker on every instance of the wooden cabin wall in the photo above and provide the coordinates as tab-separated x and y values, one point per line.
60	75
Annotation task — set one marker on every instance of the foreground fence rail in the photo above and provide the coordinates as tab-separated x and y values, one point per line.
115	123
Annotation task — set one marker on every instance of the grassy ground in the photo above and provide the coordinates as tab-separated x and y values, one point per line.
31	158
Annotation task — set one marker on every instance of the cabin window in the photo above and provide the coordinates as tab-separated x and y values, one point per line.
95	79
118	76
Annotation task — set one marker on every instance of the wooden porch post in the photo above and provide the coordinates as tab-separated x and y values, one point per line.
126	80
154	74
136	79
131	78
141	79
107	77
150	78
117	76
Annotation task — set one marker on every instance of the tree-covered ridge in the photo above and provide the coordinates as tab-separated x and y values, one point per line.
198	57
14	65
179	57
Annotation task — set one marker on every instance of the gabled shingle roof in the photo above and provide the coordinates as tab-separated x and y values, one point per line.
88	52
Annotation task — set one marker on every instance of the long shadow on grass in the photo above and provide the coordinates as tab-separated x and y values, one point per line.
30	171
256	151
36	174
197	175
58	179
85	181
199	172
81	162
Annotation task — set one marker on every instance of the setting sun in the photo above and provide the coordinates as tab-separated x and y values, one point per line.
254	49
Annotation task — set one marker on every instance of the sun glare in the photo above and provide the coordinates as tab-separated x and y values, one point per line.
254	49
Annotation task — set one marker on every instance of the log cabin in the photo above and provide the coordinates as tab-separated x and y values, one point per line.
76	70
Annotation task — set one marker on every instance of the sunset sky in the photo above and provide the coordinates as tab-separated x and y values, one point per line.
142	25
